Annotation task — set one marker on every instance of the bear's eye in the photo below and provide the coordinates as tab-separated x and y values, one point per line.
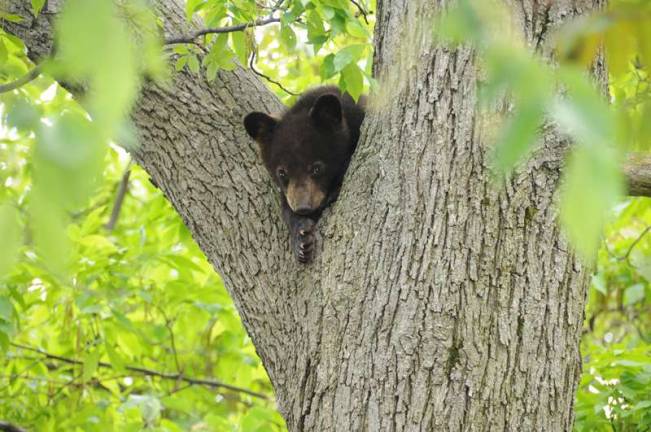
317	169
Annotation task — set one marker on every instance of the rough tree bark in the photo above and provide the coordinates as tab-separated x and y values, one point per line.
436	302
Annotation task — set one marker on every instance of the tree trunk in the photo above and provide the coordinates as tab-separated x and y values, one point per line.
436	301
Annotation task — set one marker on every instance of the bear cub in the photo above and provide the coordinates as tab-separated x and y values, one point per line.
307	152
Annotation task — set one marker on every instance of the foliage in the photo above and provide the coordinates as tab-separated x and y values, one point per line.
141	294
615	389
317	41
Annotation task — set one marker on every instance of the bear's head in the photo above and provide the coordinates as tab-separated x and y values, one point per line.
306	151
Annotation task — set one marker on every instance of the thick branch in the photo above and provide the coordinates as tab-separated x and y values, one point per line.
149	372
637	170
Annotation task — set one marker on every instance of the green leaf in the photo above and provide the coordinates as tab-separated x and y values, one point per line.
591	187
327	69
240	46
4	52
354	80
180	63
287	37
193	6
37	5
517	137
6	309
10	17
11	235
193	63
356	29
91	360
599	284
347	55
584	114
105	57
633	294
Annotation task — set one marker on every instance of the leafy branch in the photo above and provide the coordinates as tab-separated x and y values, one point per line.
149	372
191	38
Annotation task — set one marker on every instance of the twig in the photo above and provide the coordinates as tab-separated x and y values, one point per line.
169	324
150	372
261	75
632	246
119	199
361	10
28	77
217	30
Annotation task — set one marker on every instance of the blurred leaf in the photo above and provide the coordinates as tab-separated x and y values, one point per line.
11	235
91	361
517	136
633	294
592	185
287	36
37	5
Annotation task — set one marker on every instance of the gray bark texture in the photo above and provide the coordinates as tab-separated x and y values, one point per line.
437	302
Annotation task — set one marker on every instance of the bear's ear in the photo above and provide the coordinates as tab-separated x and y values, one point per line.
327	110
260	126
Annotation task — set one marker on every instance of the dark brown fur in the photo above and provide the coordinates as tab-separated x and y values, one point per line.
307	153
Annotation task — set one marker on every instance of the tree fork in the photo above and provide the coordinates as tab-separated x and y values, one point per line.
436	301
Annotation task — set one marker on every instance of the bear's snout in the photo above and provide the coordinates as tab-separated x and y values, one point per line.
304	197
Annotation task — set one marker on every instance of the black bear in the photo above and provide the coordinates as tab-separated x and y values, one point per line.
307	152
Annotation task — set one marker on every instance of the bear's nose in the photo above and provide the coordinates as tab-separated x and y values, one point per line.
303	210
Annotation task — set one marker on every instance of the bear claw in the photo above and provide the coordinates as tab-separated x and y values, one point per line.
304	241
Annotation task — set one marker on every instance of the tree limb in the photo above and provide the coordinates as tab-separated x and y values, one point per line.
27	78
637	170
149	372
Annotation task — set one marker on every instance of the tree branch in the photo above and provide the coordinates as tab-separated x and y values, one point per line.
632	246
362	11
119	199
637	170
218	30
27	78
149	372
266	77
8	427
